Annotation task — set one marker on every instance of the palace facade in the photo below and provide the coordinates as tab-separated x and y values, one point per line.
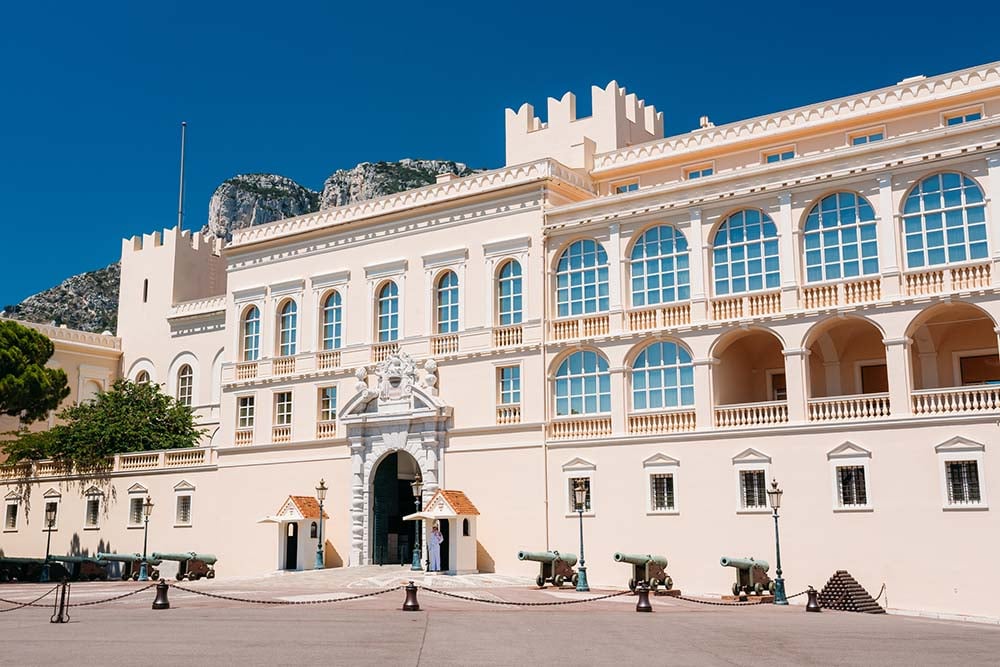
808	296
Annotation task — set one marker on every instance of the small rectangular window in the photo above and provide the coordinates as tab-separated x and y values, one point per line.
779	389
851	488
962	479
753	491
52	506
862	137
327	404
700	171
874	379
283	408
93	512
135	512
572	493
980	369
662	492
779	155
183	516
509	378
10	517
246	411
963	116
622	188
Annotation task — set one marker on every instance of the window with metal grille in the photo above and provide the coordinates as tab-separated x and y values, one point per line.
852	490
962	478
283	408
509	378
93	512
572	493
247	405
185	385
10	518
183	510
135	512
327	404
662	492
753	489
332	321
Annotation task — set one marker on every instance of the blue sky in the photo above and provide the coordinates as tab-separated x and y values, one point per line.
92	94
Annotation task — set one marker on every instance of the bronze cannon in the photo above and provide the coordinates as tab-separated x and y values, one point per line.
191	565
29	569
131	563
751	575
553	567
646	568
83	568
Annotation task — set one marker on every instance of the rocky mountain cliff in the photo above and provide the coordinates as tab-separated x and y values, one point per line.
89	301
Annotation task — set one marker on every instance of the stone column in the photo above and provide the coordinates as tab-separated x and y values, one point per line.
357	443
699	267
795	384
619	408
993	213
704	401
897	364
888	238
787	250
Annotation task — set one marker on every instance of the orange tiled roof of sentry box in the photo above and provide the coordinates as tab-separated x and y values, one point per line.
457	499
308	506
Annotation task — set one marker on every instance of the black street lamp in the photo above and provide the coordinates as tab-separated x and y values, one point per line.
50	521
580	495
147	509
417	485
320	496
774	496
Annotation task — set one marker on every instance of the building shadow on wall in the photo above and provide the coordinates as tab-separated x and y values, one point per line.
330	556
484	561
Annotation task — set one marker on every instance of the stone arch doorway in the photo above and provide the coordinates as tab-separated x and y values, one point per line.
391	538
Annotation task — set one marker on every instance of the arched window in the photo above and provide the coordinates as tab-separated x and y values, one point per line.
388	313
840	238
185	385
660	267
509	293
583	385
582	279
251	334
313	530
745	253
446	303
287	328
332	318
662	377
142	377
465	528
944	220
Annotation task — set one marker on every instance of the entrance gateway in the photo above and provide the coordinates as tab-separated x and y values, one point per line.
396	427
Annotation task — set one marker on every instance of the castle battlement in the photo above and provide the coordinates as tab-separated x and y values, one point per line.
618	119
169	238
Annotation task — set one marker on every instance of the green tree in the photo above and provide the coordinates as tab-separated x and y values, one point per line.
28	390
129	417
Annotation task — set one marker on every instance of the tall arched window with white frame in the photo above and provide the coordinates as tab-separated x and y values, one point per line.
288	320
185	385
944	221
446	303
662	377
659	267
745	253
509	293
251	334
840	238
387	313
583	385
582	279
332	318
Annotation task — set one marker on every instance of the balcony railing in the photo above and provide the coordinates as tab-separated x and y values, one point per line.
660	317
766	413
508	414
673	421
243	437
381	351
326	429
581	327
508	336
849	408
581	427
957	400
444	344
841	294
184	457
281	434
328	360
283	365
970	276
140	461
747	305
246	370
120	463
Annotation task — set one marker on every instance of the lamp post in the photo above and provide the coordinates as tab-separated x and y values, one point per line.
580	493
147	509
774	496
417	485
320	496
50	521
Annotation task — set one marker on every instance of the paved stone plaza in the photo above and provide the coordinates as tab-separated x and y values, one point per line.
448	631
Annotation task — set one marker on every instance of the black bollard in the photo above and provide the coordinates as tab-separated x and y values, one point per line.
812	604
161	601
643	603
410	603
61	614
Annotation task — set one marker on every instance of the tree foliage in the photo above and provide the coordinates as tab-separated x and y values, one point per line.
28	390
129	417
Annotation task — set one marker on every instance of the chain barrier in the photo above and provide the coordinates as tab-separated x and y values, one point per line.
33	603
284	602
524	604
735	604
880	593
112	599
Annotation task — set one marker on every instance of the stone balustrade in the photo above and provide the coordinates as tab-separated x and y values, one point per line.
326	430
765	413
508	414
746	305
444	344
246	370
280	434
590	326
580	427
671	421
283	365
659	317
508	336
956	400
856	407
120	463
381	351
947	279
845	293
328	360
243	437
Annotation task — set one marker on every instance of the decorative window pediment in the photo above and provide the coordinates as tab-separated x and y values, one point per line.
137	488
93	491
184	486
12	496
848	450
960	444
751	455
578	465
660	461
52	493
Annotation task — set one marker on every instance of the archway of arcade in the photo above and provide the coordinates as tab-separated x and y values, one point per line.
953	345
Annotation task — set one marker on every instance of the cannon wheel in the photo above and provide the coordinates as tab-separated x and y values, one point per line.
736	589
155	574
540	581
211	574
653	583
758	588
631	585
770	588
575	580
668	584
558	580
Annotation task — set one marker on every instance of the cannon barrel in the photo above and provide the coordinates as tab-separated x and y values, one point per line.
21	561
79	559
128	558
744	563
208	559
546	556
639	559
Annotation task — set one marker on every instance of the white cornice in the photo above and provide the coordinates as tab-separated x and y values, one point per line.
385	269
506	246
445	258
85	338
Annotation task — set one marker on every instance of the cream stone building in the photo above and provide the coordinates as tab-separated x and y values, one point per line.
808	296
